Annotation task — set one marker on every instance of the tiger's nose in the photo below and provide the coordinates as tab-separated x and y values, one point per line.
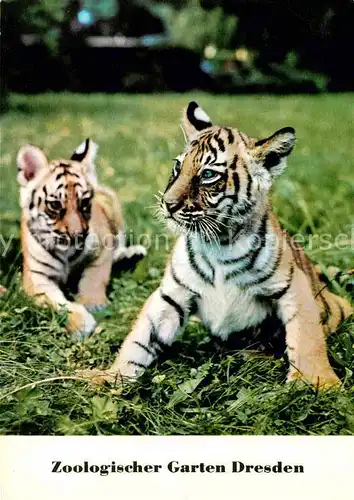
73	225
173	206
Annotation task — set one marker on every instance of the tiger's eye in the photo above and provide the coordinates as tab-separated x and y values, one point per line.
208	174
55	205
177	168
85	204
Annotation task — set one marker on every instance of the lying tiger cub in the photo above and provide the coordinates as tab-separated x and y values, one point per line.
68	220
232	260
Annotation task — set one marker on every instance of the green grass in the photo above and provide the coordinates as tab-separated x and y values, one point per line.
201	387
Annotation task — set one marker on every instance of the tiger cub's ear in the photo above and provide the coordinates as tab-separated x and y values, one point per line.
30	161
273	151
194	119
86	154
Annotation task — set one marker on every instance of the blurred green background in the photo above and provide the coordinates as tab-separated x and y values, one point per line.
198	387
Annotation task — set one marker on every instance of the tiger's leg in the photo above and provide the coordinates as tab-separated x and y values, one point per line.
339	309
45	291
133	252
122	252
305	336
161	319
94	281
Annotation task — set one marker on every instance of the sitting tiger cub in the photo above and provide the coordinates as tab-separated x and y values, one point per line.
232	260
68	220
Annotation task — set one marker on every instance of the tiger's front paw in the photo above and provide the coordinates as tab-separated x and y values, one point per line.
324	380
96	308
95	301
100	377
80	322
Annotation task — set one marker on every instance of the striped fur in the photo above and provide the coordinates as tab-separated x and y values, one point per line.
68	220
232	259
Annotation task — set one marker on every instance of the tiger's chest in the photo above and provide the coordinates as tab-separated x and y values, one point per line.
78	256
225	305
225	308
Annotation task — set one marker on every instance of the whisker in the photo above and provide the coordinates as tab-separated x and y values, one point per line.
158	196
184	134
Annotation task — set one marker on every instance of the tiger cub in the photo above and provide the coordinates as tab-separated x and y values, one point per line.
232	260
69	220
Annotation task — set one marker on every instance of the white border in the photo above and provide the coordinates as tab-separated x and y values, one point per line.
26	462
